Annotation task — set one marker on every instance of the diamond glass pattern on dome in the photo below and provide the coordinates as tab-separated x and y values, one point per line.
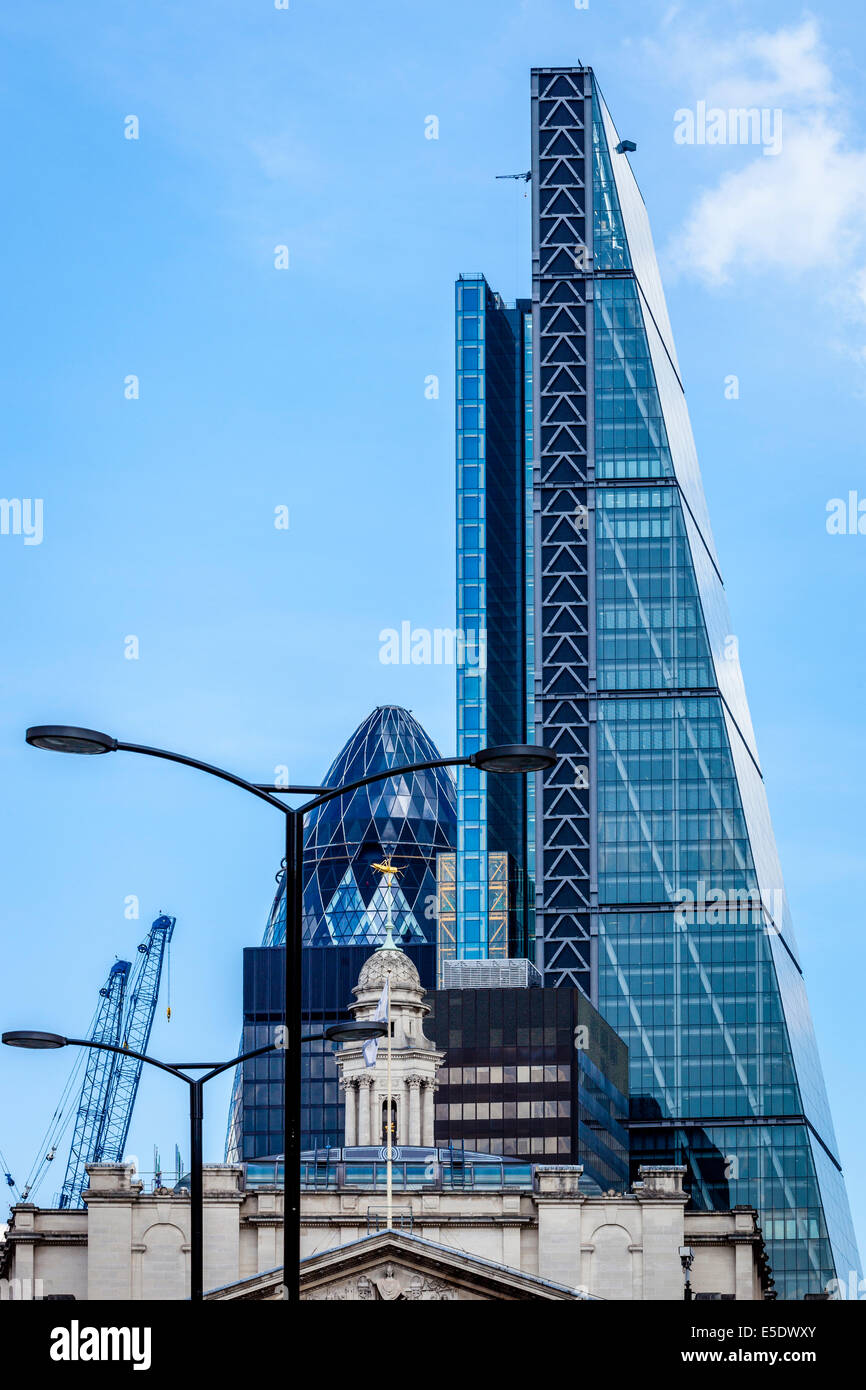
412	817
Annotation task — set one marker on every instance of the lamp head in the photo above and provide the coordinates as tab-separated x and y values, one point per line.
353	1031
40	1042
514	758
64	738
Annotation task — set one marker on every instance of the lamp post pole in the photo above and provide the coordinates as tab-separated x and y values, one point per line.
337	1032
521	759
294	915
294	905
196	1084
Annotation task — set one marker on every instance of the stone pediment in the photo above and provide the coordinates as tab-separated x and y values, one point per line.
266	1287
395	1267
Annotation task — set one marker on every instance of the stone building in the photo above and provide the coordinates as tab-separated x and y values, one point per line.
531	1233
464	1225
132	1244
537	1222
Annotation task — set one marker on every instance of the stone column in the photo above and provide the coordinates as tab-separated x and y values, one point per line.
365	1090
350	1133
414	1084
558	1203
377	1117
427	1115
744	1271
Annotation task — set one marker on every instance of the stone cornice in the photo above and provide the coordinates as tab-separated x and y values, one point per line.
543	1199
132	1199
146	1201
725	1238
46	1238
662	1199
398	1054
427	1219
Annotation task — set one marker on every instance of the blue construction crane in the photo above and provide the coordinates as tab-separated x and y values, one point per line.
107	1028
124	1019
138	1021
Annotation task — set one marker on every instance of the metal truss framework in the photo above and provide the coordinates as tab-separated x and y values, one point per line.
564	569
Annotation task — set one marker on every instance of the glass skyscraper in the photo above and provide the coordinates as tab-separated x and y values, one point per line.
345	911
649	848
493	344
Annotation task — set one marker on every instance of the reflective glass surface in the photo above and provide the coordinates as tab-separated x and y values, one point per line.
650	629
491	383
630	435
328	977
412	817
709	997
519	1080
529	591
609	245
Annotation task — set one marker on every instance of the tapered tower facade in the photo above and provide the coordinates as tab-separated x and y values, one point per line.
649	850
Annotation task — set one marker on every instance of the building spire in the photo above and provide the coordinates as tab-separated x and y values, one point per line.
390	872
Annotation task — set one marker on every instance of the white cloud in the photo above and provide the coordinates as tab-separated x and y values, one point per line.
752	67
788	213
802	209
770	69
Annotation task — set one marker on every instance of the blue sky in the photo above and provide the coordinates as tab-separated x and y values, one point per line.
304	388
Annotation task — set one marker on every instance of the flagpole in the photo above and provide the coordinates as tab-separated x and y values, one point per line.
389	1171
390	872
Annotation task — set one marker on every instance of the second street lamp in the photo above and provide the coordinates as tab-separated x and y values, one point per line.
349	1031
47	1041
520	759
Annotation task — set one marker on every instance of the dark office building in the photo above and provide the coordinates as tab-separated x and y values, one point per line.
329	976
534	1074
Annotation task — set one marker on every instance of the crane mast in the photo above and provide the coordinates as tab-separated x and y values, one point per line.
107	1028
143	995
124	1019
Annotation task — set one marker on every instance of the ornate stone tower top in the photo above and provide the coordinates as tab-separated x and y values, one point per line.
414	1058
408	1009
387	960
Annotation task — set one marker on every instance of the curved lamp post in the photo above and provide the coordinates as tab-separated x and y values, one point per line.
515	758
338	1032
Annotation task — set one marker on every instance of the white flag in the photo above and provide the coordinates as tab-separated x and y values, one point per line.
371	1046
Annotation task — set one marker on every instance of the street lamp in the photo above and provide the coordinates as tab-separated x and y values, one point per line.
350	1031
687	1259
512	758
519	759
46	1041
42	1042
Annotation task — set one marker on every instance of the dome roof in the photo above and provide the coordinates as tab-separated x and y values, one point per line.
412	817
385	962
